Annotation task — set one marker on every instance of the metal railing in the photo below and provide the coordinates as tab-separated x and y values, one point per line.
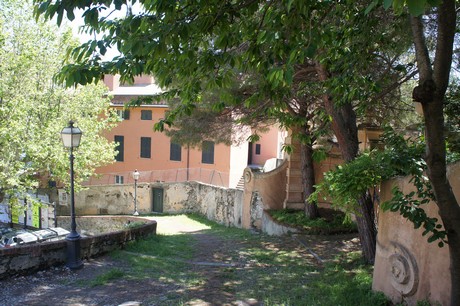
206	176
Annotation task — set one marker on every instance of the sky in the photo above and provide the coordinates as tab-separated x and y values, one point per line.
78	22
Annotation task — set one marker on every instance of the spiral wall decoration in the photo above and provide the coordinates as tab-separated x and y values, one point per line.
404	270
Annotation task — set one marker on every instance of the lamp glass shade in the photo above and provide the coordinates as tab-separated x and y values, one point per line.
136	175
71	136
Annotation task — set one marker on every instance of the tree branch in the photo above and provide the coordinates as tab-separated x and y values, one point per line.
421	50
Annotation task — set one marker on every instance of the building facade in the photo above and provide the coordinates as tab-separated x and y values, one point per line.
158	159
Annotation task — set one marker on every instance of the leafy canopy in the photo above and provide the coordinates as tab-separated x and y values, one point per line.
401	157
34	109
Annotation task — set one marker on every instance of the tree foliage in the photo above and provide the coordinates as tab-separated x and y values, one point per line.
452	119
34	109
290	54
400	157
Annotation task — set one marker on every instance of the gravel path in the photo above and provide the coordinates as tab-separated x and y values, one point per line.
61	286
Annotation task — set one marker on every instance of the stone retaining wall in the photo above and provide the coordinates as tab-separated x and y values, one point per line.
223	205
31	258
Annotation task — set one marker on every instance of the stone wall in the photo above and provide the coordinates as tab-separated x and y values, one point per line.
231	207
223	205
408	268
31	258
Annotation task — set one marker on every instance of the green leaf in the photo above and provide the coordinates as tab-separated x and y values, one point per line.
371	6
416	7
387	3
289	5
432	238
70	15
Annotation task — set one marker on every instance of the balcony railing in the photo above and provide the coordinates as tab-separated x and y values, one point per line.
206	176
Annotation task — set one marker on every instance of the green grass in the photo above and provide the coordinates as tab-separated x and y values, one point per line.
273	273
135	224
223	232
178	246
347	282
333	223
107	277
164	256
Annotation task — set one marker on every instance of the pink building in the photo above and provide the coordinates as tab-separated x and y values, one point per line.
158	159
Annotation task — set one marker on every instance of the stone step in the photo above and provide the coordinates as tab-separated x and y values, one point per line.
240	184
294	197
294	164
294	172
294	205
295	181
294	187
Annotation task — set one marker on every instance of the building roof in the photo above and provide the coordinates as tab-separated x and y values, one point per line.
137	90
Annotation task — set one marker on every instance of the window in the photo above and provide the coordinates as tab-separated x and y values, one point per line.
175	151
118	179
146	114
146	143
258	149
207	154
120	140
123	114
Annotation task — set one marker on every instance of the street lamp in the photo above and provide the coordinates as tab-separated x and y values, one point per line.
71	139
136	175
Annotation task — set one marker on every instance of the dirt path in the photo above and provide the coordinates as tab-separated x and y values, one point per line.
60	286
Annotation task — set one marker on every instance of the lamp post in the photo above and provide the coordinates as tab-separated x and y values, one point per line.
136	175
71	139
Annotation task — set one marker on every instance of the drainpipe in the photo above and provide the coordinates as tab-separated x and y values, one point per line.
188	161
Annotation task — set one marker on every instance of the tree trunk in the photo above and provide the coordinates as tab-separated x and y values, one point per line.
430	92
346	130
308	179
449	209
367	229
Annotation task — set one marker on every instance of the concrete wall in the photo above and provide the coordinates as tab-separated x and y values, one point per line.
262	191
34	257
223	205
408	268
273	228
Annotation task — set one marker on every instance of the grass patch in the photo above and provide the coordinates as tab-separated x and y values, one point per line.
332	222
291	280
348	282
274	271
275	277
107	277
222	231
163	246
162	257
134	224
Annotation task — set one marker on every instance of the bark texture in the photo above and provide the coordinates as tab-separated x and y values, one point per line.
432	99
346	130
308	179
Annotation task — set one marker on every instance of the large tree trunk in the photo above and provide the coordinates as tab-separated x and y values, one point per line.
430	92
346	130
308	179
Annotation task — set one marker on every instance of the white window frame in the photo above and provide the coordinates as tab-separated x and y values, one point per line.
119	179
